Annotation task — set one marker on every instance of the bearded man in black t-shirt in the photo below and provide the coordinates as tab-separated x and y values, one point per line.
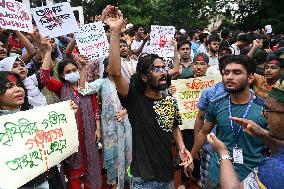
154	118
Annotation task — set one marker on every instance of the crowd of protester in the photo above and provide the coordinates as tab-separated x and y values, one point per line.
125	103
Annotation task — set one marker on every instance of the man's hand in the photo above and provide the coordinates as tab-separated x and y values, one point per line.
146	38
172	89
250	127
185	157
217	144
114	19
257	43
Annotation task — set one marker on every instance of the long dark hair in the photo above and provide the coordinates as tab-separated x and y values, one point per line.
145	62
4	80
62	65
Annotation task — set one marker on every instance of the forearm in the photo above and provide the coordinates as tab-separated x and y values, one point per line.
82	81
270	142
98	125
252	51
199	121
114	54
228	177
70	47
175	69
138	51
199	141
178	137
29	47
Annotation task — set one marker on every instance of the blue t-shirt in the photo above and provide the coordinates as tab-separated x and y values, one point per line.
253	148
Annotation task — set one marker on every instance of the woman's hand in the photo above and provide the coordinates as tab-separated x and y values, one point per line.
98	135
121	115
73	106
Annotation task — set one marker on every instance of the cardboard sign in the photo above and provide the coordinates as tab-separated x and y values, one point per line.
160	40
187	94
15	16
55	20
92	40
33	141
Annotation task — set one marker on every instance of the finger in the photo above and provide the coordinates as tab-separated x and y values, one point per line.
209	139
241	121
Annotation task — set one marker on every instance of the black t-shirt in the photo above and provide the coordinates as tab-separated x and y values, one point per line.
152	122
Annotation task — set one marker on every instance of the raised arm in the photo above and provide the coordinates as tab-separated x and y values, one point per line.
175	69
70	47
30	48
138	51
115	22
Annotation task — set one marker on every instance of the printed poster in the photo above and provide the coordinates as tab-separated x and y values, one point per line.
187	94
160	40
33	141
92	40
15	16
55	20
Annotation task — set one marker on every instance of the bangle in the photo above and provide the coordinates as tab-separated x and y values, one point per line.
225	157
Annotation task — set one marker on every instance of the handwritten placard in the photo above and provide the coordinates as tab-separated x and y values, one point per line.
187	94
14	15
55	20
160	40
92	40
34	141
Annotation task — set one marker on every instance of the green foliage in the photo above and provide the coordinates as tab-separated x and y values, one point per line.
188	14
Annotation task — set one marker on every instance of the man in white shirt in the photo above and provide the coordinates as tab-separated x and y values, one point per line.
203	37
128	65
242	41
139	44
213	48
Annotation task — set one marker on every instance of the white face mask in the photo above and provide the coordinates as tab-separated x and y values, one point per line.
72	77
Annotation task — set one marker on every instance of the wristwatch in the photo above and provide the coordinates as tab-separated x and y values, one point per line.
225	157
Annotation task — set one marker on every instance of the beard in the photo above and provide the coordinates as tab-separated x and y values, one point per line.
237	89
153	84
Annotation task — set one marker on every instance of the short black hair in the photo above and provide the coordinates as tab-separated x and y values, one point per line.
123	41
225	33
136	27
213	38
183	42
202	36
62	65
243	37
248	62
260	57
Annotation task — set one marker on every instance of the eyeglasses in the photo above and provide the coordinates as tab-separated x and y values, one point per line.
160	69
264	112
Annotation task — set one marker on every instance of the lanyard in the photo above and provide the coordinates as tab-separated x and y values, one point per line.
237	130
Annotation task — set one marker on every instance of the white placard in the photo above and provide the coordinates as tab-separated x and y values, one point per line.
160	40
55	20
14	15
33	141
268	28
92	40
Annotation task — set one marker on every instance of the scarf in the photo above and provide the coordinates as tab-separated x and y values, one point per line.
86	113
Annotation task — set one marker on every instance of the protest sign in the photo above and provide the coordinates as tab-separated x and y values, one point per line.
34	141
187	94
55	20
160	40
14	15
92	40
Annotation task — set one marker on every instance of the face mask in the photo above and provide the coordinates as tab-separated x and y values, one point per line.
72	77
